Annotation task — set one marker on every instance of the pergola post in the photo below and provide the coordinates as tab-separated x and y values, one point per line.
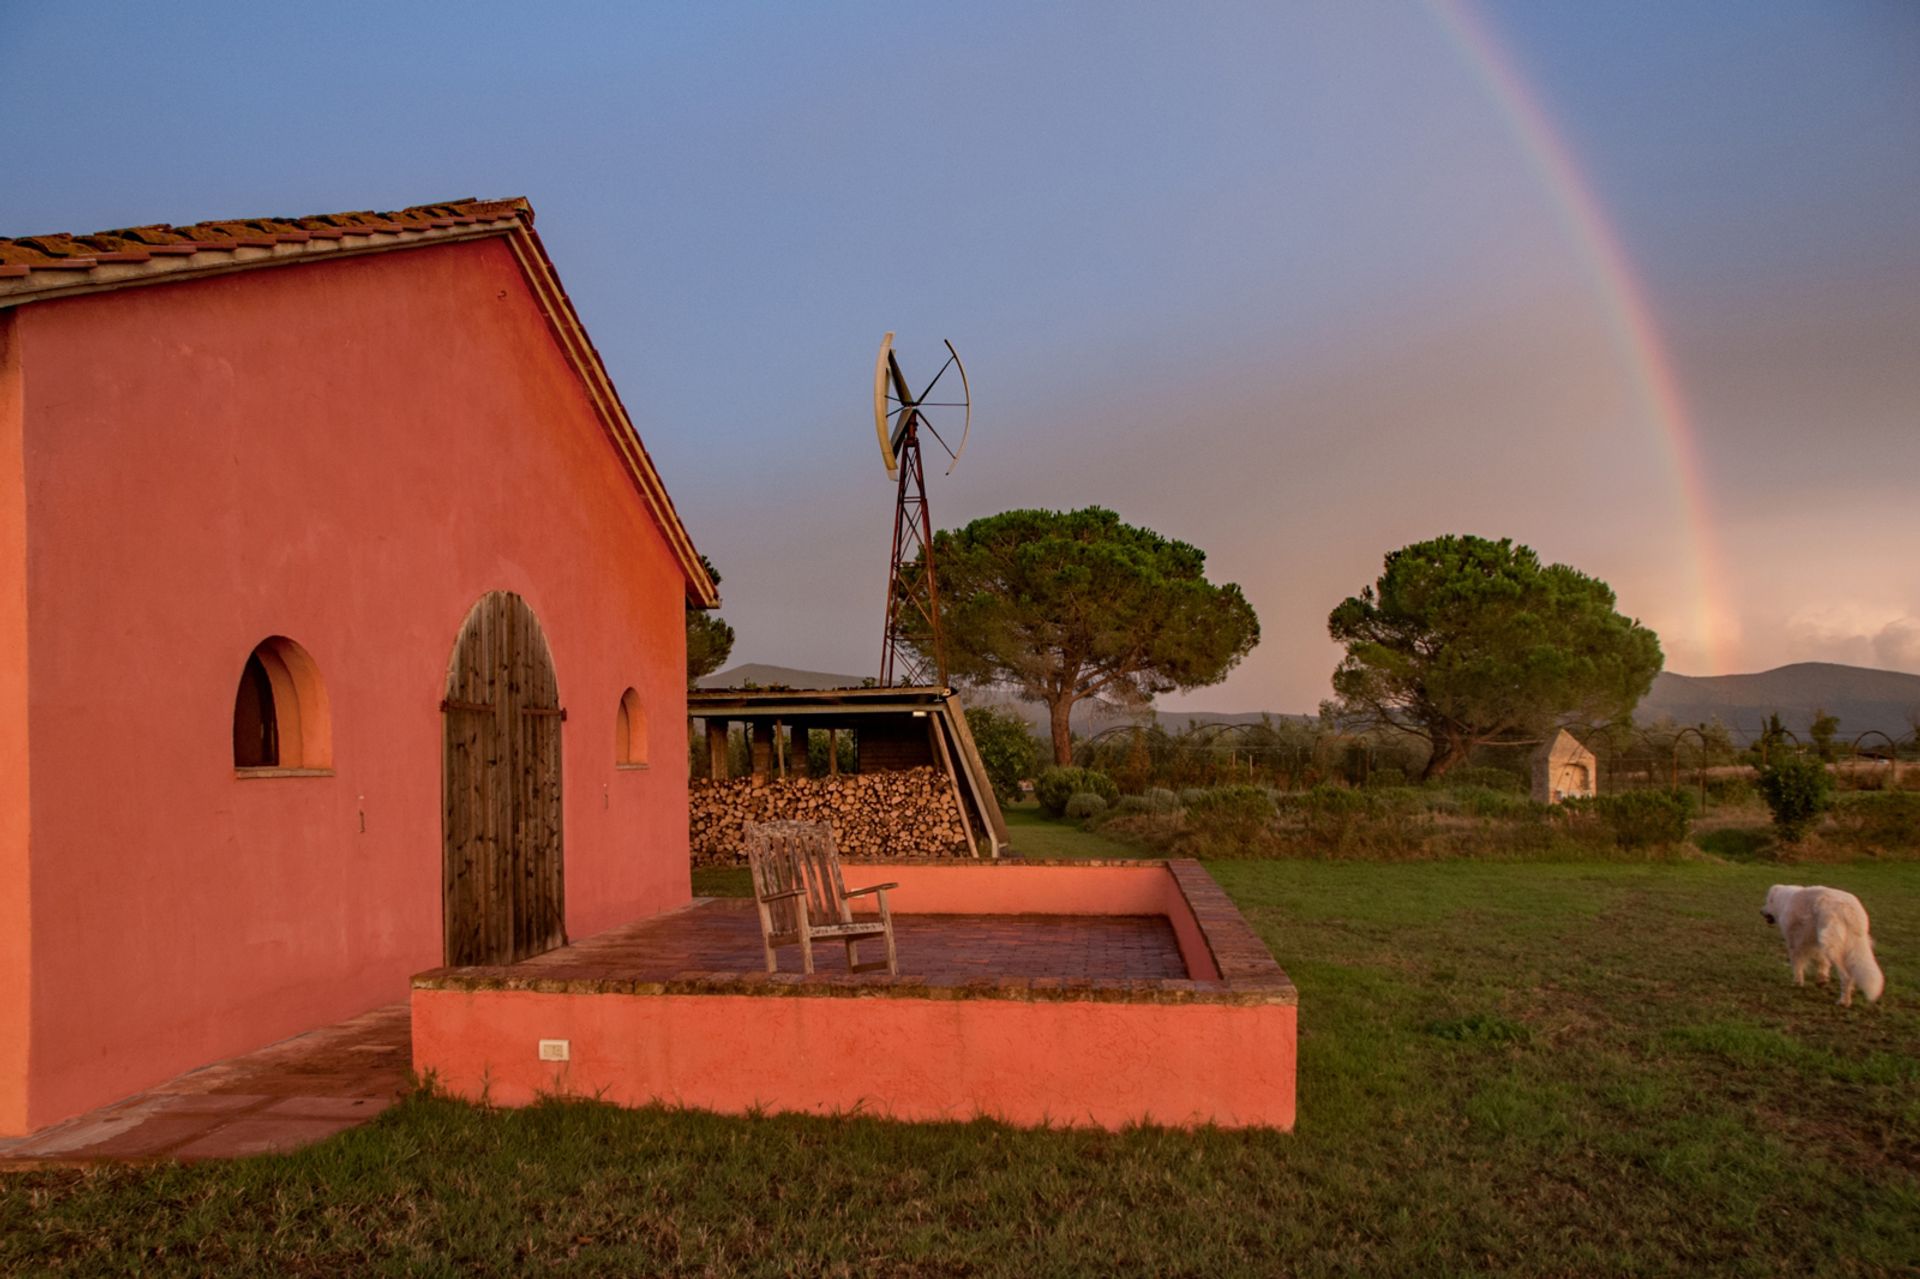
762	734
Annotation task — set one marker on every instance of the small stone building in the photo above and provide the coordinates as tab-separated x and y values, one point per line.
1564	769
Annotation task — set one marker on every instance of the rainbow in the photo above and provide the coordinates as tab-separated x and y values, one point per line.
1621	298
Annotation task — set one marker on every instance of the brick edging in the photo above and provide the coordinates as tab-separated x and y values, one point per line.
1243	959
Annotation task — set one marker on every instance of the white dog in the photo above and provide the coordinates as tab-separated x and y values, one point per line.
1828	928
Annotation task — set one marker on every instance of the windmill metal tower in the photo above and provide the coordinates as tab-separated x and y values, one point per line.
914	651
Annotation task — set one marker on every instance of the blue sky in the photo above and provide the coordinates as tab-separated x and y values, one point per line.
1276	279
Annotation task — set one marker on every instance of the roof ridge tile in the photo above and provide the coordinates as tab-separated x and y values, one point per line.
65	251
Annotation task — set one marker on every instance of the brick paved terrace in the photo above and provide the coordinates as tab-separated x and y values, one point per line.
286	1095
723	935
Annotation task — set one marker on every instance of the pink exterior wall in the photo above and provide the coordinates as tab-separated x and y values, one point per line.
348	454
1104	1064
16	921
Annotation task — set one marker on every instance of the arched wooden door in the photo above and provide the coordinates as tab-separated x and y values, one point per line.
502	887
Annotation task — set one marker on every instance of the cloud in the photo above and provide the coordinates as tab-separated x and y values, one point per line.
1849	632
1897	645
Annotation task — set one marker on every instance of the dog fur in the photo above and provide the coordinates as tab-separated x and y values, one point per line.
1827	928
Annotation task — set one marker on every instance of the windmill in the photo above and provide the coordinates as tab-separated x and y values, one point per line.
912	592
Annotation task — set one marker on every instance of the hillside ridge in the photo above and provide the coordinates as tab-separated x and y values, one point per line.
1865	699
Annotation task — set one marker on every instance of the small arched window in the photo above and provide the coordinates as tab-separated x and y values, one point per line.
630	732
280	714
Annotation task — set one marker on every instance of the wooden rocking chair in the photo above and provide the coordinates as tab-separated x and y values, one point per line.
797	886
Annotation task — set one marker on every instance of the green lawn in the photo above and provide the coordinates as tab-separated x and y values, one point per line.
1035	835
1522	1069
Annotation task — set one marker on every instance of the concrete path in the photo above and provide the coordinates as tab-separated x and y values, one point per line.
284	1096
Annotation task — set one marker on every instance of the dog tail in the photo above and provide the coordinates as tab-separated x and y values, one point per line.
1864	969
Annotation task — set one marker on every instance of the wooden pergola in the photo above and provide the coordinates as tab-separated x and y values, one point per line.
893	728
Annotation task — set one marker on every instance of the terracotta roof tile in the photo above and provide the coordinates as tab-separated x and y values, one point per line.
77	252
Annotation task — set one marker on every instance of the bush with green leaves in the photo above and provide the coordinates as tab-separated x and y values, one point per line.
1229	820
1798	789
1729	790
1084	804
1504	780
1160	799
1480	801
1885	822
1007	748
1192	794
1326	800
1057	785
1129	805
1639	819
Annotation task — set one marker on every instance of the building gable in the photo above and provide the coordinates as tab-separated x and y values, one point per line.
45	267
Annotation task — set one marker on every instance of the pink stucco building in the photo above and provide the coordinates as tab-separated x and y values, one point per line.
341	635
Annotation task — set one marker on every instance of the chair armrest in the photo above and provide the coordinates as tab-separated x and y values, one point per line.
875	888
785	892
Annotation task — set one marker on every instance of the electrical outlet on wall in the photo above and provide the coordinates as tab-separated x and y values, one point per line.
556	1049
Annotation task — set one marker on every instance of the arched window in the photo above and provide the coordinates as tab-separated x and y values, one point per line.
630	732
280	716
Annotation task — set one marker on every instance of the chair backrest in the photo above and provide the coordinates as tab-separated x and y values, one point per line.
786	855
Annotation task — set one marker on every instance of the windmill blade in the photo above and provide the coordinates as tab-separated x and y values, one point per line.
928	390
909	407
941	439
966	395
888	455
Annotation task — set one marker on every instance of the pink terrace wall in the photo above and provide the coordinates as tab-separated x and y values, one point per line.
1027	888
1104	1064
348	454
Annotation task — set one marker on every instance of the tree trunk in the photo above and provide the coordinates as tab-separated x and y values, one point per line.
1059	713
1449	749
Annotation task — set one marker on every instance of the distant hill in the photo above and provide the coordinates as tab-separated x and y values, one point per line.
1087	717
1863	699
765	676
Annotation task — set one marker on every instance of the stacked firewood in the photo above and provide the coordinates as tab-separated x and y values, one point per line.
906	813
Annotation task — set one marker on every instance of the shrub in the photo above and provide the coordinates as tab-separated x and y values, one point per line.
1641	819
1735	843
1129	805
1729	790
1504	780
1798	789
1334	814
1382	778
1160	799
1007	749
1481	801
1057	785
1084	804
1881	821
1190	795
1326	800
1406	799
1245	801
1229	819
